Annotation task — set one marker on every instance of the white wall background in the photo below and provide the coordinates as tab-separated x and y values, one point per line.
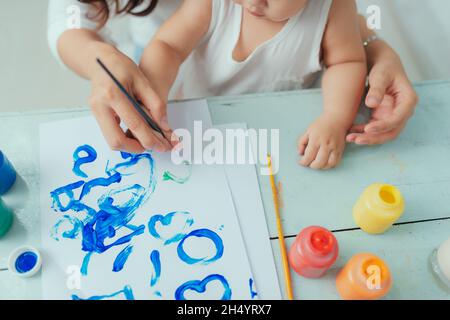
30	79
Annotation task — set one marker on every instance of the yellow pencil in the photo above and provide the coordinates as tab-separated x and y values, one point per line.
286	270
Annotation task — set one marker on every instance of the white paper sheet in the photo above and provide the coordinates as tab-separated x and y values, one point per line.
203	203
244	186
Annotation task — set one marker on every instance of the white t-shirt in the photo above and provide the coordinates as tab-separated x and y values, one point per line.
288	61
129	33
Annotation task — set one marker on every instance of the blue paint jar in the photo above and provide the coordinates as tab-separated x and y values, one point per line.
7	174
6	218
25	261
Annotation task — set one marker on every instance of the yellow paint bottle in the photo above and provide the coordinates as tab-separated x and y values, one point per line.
378	208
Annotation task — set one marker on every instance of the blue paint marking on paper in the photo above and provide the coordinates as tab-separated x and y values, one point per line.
158	293
253	293
99	228
91	156
72	233
100	182
156	262
126	291
200	287
166	221
121	258
85	264
26	262
201	233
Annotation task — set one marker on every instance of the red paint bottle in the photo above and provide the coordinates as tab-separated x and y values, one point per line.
314	251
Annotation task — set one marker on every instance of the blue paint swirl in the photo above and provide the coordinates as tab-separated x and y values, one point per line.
73	233
121	258
126	291
91	156
101	225
253	293
200	287
26	262
166	221
156	262
201	233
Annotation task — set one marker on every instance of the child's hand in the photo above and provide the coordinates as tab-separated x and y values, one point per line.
323	144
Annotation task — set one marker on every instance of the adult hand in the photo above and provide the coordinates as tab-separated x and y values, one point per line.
393	100
111	107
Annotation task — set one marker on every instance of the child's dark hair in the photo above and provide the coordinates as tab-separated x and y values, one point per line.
104	8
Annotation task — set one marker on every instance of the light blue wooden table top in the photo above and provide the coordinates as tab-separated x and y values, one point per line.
418	163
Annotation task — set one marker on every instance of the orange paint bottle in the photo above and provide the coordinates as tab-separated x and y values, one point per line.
314	251
364	277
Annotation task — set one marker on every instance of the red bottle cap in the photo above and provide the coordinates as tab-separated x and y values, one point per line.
322	241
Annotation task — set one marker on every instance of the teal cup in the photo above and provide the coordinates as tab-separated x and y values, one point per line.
6	218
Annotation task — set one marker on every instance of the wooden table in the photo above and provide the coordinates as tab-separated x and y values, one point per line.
418	163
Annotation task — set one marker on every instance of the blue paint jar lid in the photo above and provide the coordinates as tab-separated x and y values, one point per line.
25	261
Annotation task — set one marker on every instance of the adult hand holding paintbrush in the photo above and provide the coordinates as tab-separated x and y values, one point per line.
108	102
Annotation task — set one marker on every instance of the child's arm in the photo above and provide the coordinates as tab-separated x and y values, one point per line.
174	42
343	84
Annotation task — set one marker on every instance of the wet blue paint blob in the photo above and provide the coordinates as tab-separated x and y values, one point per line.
121	258
158	294
156	262
26	262
126	291
201	233
91	156
102	225
200	287
253	293
166	221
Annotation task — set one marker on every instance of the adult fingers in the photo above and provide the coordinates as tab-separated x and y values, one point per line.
114	136
376	139
155	107
379	82
138	126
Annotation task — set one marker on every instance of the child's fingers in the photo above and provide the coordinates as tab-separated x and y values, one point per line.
333	160
310	154
321	159
137	125
114	136
302	143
